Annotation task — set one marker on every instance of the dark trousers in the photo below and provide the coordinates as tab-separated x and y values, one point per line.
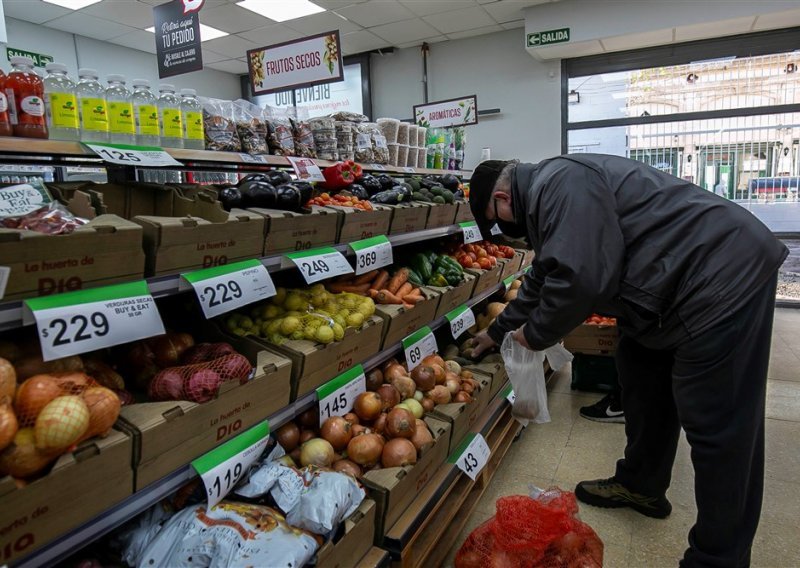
714	386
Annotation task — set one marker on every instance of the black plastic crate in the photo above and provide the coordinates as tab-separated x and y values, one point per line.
595	373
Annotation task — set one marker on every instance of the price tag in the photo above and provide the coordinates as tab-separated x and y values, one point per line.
471	455
319	264
336	397
461	319
472	234
223	467
306	169
409	170
221	289
372	253
508	281
250	159
419	345
509	394
495	230
87	320
139	156
379	167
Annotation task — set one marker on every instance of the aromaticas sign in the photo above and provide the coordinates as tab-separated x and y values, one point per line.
452	112
298	63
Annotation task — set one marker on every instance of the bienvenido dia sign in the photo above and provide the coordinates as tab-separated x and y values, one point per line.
294	64
452	112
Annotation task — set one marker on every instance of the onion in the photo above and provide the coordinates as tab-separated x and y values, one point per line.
306	435
394	371
32	396
22	458
462	397
453	385
352	418
8	379
74	382
181	341
374	379
389	363
337	431
389	395
365	450
360	429
348	467
295	455
200	353
422	438
398	452
165	352
439	374
467	387
467	375
424	376
439	394
400	423
433	360
202	385
288	436
368	406
405	386
125	397
414	406
309	419
453	367
166	385
475	384
104	407
419	395
61	423
428	404
8	422
380	424
232	367
316	452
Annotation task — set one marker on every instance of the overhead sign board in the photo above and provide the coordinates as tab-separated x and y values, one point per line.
452	112
39	59
538	39
177	29
313	60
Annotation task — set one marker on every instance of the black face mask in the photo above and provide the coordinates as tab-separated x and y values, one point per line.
513	230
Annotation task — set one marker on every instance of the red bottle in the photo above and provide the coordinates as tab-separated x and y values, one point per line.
5	120
25	92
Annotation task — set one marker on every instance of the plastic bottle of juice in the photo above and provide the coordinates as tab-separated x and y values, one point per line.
192	120
25	92
121	127
145	109
6	129
61	104
169	110
92	103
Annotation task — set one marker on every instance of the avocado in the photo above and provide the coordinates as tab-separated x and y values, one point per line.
439	199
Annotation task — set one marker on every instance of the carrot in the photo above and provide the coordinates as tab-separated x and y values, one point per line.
400	277
408	306
386	297
404	289
338	287
413	295
373	293
380	281
366	278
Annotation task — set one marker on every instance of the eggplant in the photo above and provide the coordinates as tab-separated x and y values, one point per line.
258	194
253	177
459	194
428	182
386	181
449	181
391	196
306	190
405	190
278	177
358	190
371	184
290	198
230	197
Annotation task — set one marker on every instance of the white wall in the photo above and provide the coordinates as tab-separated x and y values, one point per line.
79	51
497	69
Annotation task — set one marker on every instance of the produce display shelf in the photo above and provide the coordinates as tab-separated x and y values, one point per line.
145	498
54	151
12	313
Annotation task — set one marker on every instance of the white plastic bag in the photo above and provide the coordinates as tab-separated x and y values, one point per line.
525	370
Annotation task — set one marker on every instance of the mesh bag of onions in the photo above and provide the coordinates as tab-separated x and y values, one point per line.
201	381
528	532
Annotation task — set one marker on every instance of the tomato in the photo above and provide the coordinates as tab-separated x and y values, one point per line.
481	252
465	261
472	256
484	263
492	250
475	265
469	248
492	260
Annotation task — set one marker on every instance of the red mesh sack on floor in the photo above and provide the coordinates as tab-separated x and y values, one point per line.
544	532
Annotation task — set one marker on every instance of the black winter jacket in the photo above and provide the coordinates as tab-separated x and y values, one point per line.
617	237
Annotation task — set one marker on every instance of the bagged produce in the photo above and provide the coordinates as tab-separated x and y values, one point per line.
541	531
251	127
199	382
303	136
134	538
325	139
281	137
219	126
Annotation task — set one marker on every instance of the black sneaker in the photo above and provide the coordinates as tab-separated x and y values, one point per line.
607	409
610	494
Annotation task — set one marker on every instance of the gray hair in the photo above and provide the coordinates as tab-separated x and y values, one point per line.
504	179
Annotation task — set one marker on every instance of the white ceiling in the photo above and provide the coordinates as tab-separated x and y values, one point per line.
364	24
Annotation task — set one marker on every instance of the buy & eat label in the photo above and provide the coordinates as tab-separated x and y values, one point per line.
320	263
336	397
419	345
472	234
306	169
461	319
223	467
127	155
87	320
372	253
251	159
471	455
221	289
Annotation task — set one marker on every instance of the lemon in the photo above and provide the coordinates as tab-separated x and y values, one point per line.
330	307
319	299
324	334
313	322
343	314
297	335
317	289
269	311
348	302
295	302
340	320
280	295
290	325
257	322
338	332
276	338
246	323
355	319
310	333
294	313
232	323
272	327
239	331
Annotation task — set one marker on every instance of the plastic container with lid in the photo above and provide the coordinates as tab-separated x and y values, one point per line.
169	111
6	129
25	92
145	112
61	105
121	126
93	108
192	117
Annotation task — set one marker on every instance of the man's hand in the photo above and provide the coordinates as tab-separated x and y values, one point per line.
519	337
481	343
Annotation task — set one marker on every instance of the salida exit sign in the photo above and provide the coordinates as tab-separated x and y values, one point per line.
537	39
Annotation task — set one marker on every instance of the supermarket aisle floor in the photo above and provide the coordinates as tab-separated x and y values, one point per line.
571	448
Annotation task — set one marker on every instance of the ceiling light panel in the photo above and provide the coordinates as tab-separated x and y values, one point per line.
207	33
281	10
72	4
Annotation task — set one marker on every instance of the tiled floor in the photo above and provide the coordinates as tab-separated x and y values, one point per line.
571	448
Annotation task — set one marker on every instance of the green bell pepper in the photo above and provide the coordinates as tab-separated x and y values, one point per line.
437	279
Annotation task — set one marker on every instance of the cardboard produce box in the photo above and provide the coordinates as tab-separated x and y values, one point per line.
464	212
511	265
441	215
492	366
399	321
593	339
375	558
314	364
170	434
452	297
486	278
409	217
356	224
81	485
527	257
394	488
462	416
290	232
348	547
